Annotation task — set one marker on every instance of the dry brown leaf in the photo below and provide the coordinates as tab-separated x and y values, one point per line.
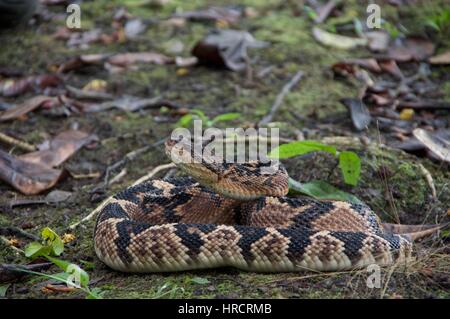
27	106
60	148
414	48
28	178
35	83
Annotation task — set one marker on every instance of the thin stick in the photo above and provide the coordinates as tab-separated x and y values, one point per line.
280	97
20	144
156	170
129	157
118	177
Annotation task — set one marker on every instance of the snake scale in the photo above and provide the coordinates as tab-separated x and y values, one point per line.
231	215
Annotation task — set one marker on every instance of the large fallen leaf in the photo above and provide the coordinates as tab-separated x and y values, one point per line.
27	106
226	48
34	83
436	144
28	178
336	40
414	48
60	148
358	111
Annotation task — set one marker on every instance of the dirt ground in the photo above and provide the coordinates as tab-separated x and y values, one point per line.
392	181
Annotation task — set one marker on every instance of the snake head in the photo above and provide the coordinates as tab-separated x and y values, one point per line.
241	181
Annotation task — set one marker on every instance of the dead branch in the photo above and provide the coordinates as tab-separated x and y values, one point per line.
280	97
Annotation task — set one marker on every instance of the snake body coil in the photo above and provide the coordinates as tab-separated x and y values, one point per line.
232	215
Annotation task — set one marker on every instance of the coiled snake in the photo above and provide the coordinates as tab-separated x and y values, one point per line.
232	215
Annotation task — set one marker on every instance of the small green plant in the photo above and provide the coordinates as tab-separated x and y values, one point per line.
349	162
440	21
393	31
72	275
168	290
195	114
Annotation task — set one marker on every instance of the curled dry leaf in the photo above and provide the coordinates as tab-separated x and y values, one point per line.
226	48
60	148
28	178
440	146
336	40
358	111
34	83
28	106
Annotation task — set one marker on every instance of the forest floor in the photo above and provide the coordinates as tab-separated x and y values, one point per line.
392	181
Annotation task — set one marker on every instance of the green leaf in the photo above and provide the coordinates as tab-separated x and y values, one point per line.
75	274
3	290
35	249
224	117
53	240
95	293
200	114
185	120
350	165
299	148
62	264
321	190
87	264
199	281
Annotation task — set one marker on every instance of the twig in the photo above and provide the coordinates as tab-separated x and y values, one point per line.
14	231
280	97
20	144
129	157
429	180
118	177
424	105
156	170
8	243
88	175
